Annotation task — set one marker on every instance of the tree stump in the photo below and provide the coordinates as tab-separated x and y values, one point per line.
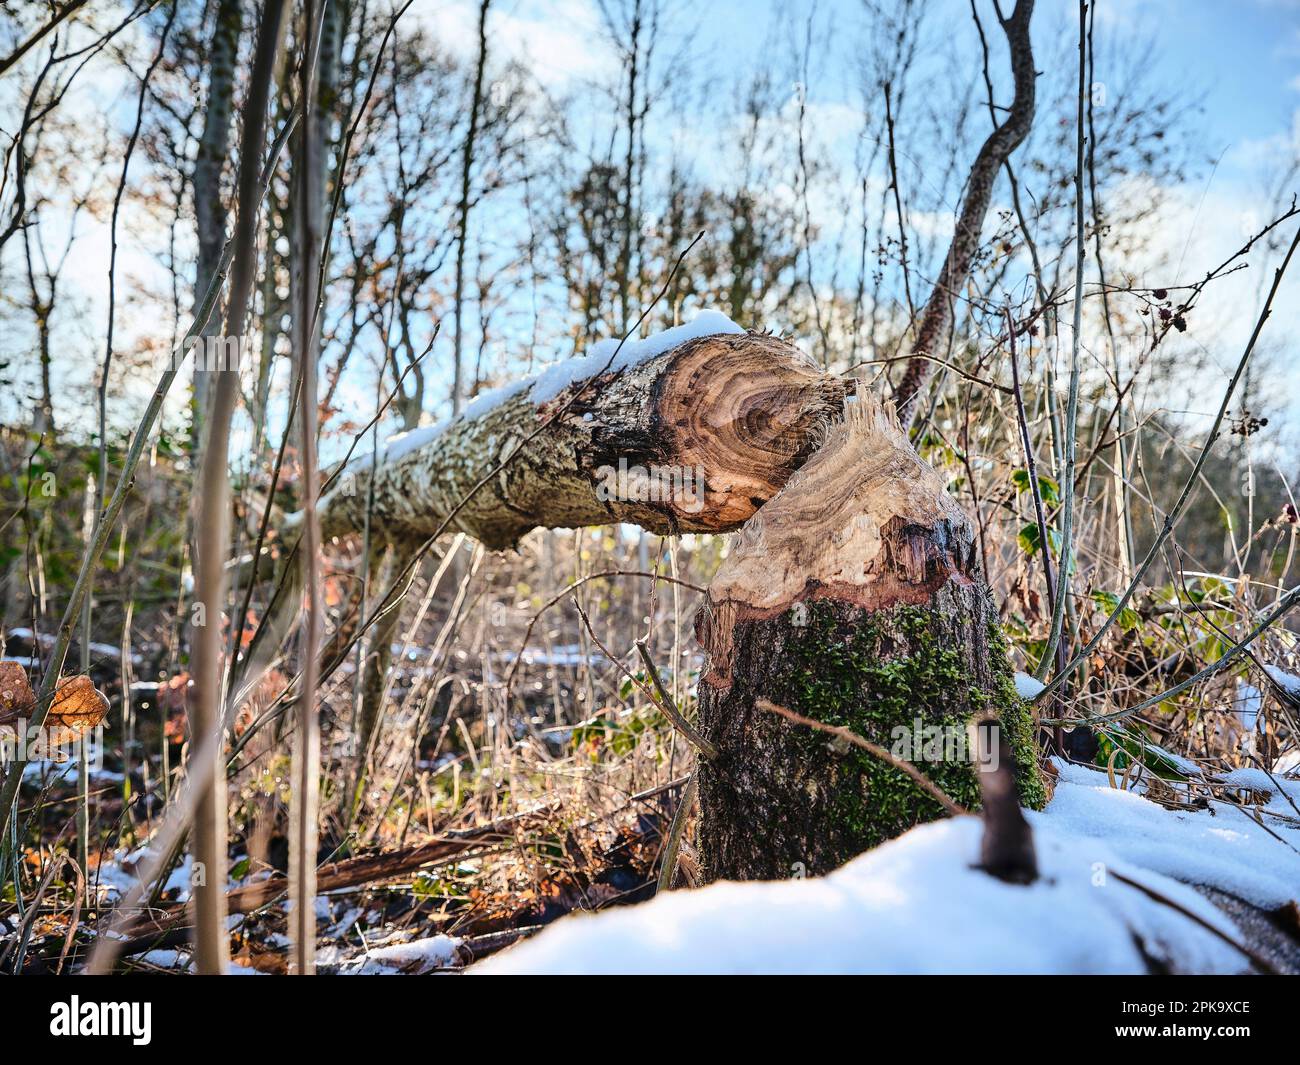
852	597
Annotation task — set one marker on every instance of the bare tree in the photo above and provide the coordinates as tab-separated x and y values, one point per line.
463	207
213	152
937	318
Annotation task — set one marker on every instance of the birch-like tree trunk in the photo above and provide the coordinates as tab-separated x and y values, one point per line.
692	440
853	597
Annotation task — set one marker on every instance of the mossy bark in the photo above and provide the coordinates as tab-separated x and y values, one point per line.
853	598
785	801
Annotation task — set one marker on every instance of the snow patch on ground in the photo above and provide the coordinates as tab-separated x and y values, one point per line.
1220	847
915	905
1283	793
46	640
918	905
1288	763
1184	765
1028	687
119	874
180	961
418	956
1247	704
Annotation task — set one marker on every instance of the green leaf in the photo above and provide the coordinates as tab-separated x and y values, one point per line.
1048	489
1031	544
1137	748
1128	618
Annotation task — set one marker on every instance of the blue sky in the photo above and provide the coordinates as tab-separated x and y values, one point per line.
1237	64
1244	57
1239	61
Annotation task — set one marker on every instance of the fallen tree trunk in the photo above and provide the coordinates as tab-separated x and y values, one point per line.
854	598
675	436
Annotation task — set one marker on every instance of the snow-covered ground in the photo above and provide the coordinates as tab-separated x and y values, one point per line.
118	875
413	958
918	904
180	961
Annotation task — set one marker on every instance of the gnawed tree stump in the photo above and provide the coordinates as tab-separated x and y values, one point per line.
853	597
692	436
691	440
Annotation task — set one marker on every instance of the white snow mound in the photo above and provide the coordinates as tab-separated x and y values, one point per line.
918	905
417	956
1028	687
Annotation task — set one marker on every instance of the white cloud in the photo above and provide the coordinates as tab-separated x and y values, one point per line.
1194	231
561	40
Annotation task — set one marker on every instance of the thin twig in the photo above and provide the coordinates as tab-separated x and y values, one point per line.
699	742
1068	489
90	559
304	800
1176	512
670	708
523	644
668	866
1283	606
849	736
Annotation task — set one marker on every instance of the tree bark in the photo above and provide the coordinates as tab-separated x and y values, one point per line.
209	209
854	598
731	415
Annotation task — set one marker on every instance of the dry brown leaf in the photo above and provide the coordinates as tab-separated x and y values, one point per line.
16	696
77	704
264	961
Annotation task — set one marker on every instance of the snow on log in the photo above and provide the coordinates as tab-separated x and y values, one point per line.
690	430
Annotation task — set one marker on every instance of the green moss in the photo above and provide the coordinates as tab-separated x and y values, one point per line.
875	672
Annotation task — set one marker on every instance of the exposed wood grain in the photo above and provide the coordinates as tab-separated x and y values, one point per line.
742	410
